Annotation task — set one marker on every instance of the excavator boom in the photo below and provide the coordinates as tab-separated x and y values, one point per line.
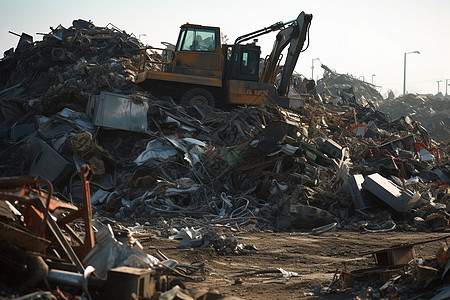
295	35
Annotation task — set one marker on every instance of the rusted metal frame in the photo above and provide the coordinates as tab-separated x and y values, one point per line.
33	211
142	59
37	203
26	181
36	200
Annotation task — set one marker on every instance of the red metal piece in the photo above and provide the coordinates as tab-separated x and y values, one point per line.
27	191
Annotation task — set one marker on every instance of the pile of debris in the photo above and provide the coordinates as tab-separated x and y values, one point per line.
345	89
64	68
339	162
398	272
431	111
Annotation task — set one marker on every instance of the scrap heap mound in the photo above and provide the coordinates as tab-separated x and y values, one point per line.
432	112
342	88
70	100
64	68
253	165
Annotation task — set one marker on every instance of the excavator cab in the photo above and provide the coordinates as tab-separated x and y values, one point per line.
197	38
242	61
198	52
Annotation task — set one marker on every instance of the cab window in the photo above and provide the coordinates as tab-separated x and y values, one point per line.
198	40
249	63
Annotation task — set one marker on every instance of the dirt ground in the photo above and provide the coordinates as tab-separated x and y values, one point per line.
314	258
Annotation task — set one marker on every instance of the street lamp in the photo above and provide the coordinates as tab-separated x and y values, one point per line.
438	82
372	77
404	70
312	67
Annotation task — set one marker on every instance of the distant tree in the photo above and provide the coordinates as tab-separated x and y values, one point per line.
223	38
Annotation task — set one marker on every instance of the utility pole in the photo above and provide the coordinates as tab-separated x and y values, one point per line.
438	82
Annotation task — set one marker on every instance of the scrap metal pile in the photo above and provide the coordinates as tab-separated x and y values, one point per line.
342	88
70	101
431	111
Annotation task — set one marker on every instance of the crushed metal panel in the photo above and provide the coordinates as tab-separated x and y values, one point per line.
399	199
330	147
119	112
353	187
46	162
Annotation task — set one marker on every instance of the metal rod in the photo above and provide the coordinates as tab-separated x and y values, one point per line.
15	33
65	278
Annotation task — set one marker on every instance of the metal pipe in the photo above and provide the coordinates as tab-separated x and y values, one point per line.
65	278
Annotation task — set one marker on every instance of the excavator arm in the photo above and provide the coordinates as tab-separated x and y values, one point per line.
295	35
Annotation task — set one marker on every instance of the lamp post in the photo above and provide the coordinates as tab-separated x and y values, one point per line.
312	67
141	34
372	77
404	70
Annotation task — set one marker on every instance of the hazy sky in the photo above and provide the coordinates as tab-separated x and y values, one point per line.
357	37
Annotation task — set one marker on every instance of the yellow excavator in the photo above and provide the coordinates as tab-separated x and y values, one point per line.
201	71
